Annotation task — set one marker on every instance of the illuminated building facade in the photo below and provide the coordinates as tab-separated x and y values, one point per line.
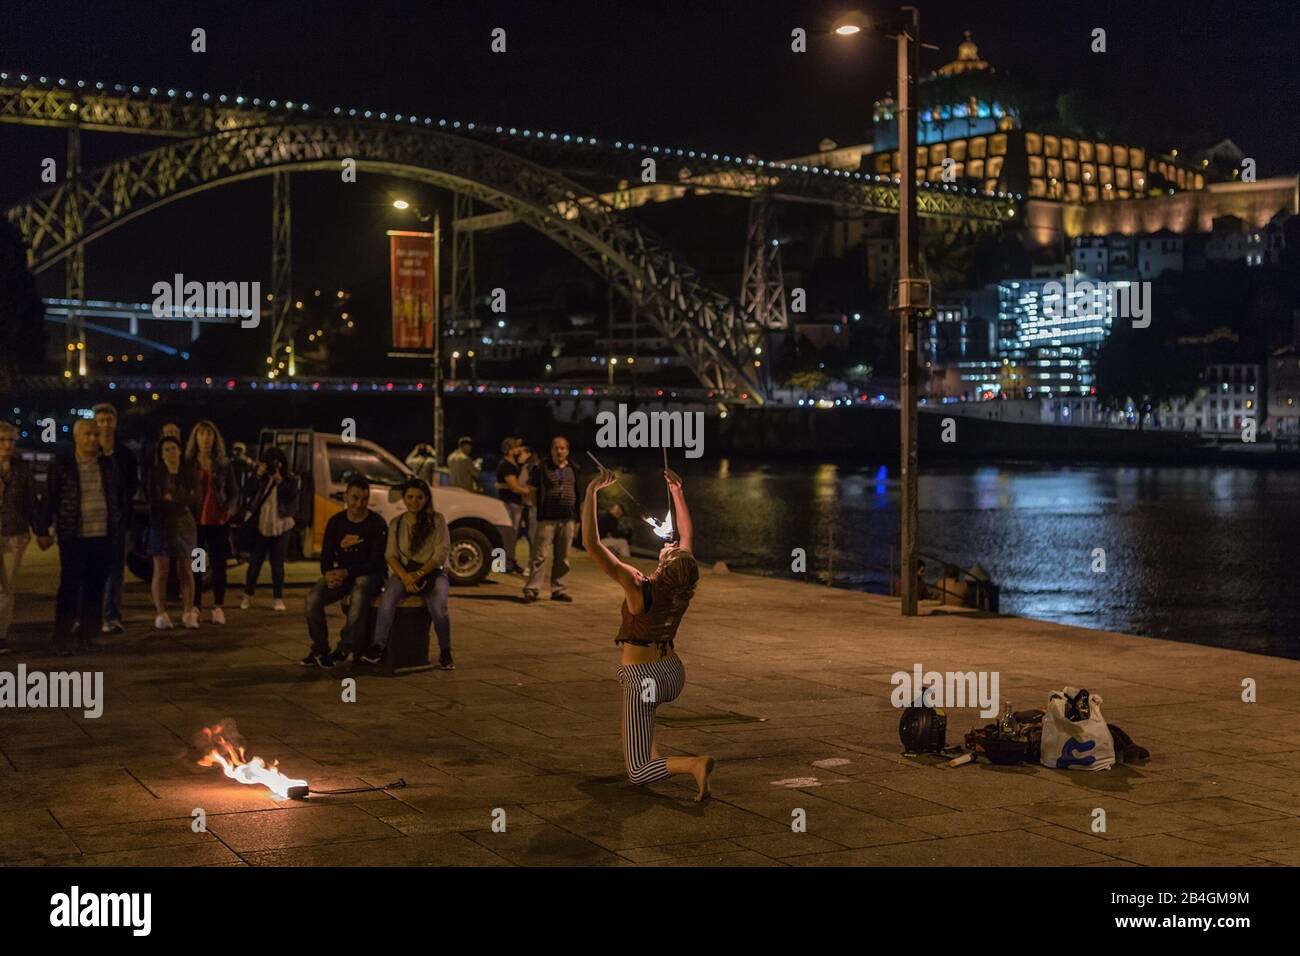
1283	419
1054	340
969	127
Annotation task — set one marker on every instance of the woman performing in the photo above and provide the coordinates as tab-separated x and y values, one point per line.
651	672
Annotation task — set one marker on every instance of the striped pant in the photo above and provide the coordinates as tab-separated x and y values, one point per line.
645	687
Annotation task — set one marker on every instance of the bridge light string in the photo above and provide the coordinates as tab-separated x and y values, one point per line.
736	161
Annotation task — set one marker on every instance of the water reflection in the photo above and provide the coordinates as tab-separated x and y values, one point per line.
1199	554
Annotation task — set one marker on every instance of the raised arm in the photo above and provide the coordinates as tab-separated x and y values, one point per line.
628	577
682	514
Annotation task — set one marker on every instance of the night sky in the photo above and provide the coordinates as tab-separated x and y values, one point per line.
718	75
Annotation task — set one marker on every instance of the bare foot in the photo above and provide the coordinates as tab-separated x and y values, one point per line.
703	767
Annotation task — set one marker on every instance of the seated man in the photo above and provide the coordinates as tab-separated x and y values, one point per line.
352	559
610	528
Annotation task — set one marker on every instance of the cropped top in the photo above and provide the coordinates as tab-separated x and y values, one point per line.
657	624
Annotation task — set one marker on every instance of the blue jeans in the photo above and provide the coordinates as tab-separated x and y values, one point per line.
119	545
262	547
435	599
551	536
516	513
362	588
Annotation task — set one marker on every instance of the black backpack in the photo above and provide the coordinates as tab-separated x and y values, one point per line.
923	730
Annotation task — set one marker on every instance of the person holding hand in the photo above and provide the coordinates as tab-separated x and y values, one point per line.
418	547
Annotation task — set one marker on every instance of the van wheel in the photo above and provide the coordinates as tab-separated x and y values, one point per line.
471	556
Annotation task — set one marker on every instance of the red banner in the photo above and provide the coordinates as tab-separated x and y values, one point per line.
413	272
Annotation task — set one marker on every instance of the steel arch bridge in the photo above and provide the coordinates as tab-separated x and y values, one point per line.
571	188
704	324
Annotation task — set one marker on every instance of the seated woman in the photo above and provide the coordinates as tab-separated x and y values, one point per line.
651	672
418	547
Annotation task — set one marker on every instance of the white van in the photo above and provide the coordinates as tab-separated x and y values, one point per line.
322	463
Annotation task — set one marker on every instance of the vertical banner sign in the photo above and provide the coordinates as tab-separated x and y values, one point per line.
414	276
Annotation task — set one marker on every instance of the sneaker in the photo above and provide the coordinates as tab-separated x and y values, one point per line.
325	659
530	597
162	623
113	627
218	616
373	656
339	656
190	619
61	651
311	660
277	605
244	602
5	649
562	596
445	661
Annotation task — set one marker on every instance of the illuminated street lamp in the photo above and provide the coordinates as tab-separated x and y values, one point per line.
911	294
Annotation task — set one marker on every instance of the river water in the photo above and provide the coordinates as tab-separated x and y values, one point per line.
1200	554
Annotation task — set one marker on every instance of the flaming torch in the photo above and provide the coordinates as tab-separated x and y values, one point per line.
662	529
225	749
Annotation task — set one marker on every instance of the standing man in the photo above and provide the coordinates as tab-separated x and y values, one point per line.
555	485
352	562
81	505
423	464
128	478
242	465
512	489
19	512
464	470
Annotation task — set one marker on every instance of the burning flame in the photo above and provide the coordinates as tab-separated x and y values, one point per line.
664	529
226	750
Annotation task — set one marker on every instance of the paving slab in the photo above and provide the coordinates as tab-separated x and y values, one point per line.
788	686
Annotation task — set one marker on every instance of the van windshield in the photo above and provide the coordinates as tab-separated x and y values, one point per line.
347	460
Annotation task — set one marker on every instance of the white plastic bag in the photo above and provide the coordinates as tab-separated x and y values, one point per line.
1076	745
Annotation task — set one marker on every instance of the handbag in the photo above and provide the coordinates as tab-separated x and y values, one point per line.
410	564
1075	735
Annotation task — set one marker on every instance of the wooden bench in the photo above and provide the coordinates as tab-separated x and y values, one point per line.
408	642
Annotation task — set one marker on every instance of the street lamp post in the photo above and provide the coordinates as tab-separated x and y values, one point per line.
437	327
910	295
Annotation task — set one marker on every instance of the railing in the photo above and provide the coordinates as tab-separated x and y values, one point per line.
976	591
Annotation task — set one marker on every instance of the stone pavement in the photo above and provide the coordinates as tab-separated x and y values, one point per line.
788	685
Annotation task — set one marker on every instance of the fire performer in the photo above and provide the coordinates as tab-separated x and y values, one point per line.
651	672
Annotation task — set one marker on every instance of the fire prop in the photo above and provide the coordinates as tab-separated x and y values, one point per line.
225	749
662	529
